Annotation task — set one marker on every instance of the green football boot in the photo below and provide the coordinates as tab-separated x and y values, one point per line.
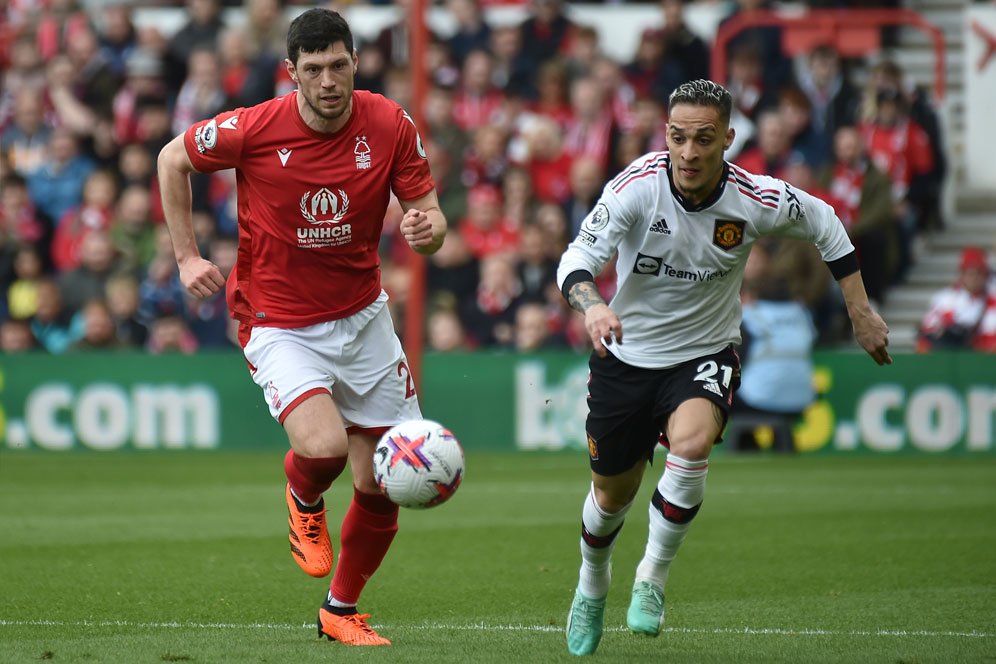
584	624
646	609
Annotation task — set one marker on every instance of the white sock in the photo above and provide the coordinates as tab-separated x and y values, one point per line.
598	538
681	486
334	602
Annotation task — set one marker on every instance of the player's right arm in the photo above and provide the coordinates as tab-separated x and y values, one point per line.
601	232
198	275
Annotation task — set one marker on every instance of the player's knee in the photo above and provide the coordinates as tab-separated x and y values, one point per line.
612	499
695	447
671	512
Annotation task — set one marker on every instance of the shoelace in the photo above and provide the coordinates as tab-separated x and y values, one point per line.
312	527
588	612
651	601
360	620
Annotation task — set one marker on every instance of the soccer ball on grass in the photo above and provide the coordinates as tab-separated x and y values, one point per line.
418	464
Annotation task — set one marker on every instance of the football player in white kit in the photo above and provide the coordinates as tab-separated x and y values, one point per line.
682	222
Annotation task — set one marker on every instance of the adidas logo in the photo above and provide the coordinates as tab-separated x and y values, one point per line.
714	388
660	227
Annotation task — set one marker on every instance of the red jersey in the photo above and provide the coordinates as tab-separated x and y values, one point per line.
310	205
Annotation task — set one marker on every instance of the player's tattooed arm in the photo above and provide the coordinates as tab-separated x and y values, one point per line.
583	296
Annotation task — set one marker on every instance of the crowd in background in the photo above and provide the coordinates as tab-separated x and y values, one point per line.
523	125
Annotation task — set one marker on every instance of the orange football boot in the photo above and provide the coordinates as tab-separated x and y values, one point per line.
352	630
309	538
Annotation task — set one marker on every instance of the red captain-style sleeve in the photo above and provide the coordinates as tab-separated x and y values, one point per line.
216	144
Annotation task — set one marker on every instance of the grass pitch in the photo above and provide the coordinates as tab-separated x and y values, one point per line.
183	557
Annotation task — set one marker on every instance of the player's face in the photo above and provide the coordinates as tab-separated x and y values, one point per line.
325	83
697	138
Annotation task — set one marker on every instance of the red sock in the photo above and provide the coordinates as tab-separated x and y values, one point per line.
311	477
367	532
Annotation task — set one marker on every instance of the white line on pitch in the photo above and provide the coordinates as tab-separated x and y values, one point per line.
761	631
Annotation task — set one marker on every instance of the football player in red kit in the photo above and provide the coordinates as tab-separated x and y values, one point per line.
315	170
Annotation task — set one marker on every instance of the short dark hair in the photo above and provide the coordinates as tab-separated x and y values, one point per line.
703	93
315	30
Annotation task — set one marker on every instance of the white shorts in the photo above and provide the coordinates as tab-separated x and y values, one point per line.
358	360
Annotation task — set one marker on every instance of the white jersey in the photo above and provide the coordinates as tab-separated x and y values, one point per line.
680	267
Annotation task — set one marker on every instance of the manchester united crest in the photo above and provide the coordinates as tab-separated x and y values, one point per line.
728	234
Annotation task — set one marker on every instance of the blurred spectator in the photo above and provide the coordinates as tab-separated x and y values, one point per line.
369	70
532	330
247	77
956	314
925	187
799	265
586	179
452	272
795	111
864	205
545	34
485	230
590	128
54	326
160	292
449	188
122	301
209	316
489	316
131	229
24	142
19	220
764	40
772	151
472	30
619	94
681	45
16	336
398	86
393	40
583	51
266	28
439	63
22	294
510	71
477	100
57	186
777	375
485	161
98	261
548	163
25	72
833	101
93	214
751	92
552	98
900	148
118	37
552	220
201	95
58	22
143	80
517	191
650	73
89	85
204	24
445	331
169	333
537	270
99	332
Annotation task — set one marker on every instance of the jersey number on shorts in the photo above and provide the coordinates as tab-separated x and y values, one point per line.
707	372
403	370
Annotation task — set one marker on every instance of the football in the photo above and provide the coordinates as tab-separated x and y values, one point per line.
418	464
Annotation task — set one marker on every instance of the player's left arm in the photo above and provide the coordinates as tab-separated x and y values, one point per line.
423	226
804	216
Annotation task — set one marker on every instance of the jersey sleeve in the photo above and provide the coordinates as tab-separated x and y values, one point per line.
216	144
802	216
410	176
622	203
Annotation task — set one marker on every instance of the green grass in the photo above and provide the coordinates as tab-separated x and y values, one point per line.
182	556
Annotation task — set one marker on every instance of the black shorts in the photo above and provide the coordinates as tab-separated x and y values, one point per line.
628	407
